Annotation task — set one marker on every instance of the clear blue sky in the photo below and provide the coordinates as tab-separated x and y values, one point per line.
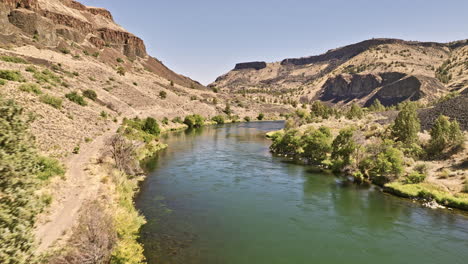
206	38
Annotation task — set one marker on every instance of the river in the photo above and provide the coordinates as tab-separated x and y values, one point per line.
218	196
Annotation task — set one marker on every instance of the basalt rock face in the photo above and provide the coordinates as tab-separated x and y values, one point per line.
389	88
257	65
70	20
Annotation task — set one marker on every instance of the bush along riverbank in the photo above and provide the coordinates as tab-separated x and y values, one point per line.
24	176
108	228
396	156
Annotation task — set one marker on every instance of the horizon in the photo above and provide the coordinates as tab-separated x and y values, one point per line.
271	31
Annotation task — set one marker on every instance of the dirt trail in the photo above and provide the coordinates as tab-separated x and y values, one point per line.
78	188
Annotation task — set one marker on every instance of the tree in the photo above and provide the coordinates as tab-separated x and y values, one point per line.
342	148
319	109
261	116
377	106
355	112
123	153
219	119
151	126
384	164
227	110
317	145
194	121
445	136
288	143
406	125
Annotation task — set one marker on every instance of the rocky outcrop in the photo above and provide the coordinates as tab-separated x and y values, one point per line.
129	44
256	65
73	21
389	88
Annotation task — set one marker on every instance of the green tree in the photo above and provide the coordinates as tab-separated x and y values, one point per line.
261	116
355	112
377	106
319	109
342	148
445	136
406	125
385	165
317	145
288	143
194	121
219	119
151	126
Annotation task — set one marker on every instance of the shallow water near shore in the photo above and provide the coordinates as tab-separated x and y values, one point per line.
216	195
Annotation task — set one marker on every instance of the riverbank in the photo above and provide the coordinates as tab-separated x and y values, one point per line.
363	148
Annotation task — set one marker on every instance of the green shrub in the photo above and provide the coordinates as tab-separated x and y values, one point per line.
76	150
177	120
165	121
2	82
119	60
76	98
151	126
13	59
445	136
90	94
219	119
51	100
384	166
406	125
342	148
121	70
377	106
104	114
319	109
20	201
247	119
48	168
317	144
261	116
194	121
11	76
30	88
46	76
288	143
355	112
31	69
227	110
163	94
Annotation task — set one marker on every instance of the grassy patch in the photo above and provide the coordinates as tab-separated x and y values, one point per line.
46	76
428	191
49	168
2	82
15	76
90	94
52	101
30	88
13	59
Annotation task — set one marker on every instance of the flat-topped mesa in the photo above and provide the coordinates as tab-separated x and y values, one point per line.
257	65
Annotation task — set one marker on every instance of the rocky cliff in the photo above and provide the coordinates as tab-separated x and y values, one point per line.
391	70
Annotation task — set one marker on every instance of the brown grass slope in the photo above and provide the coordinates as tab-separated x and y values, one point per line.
390	70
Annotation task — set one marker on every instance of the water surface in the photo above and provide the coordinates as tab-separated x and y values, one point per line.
217	196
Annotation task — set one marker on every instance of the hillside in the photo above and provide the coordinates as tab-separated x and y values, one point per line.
390	70
84	49
78	77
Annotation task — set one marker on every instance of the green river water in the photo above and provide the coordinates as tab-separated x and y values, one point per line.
218	196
